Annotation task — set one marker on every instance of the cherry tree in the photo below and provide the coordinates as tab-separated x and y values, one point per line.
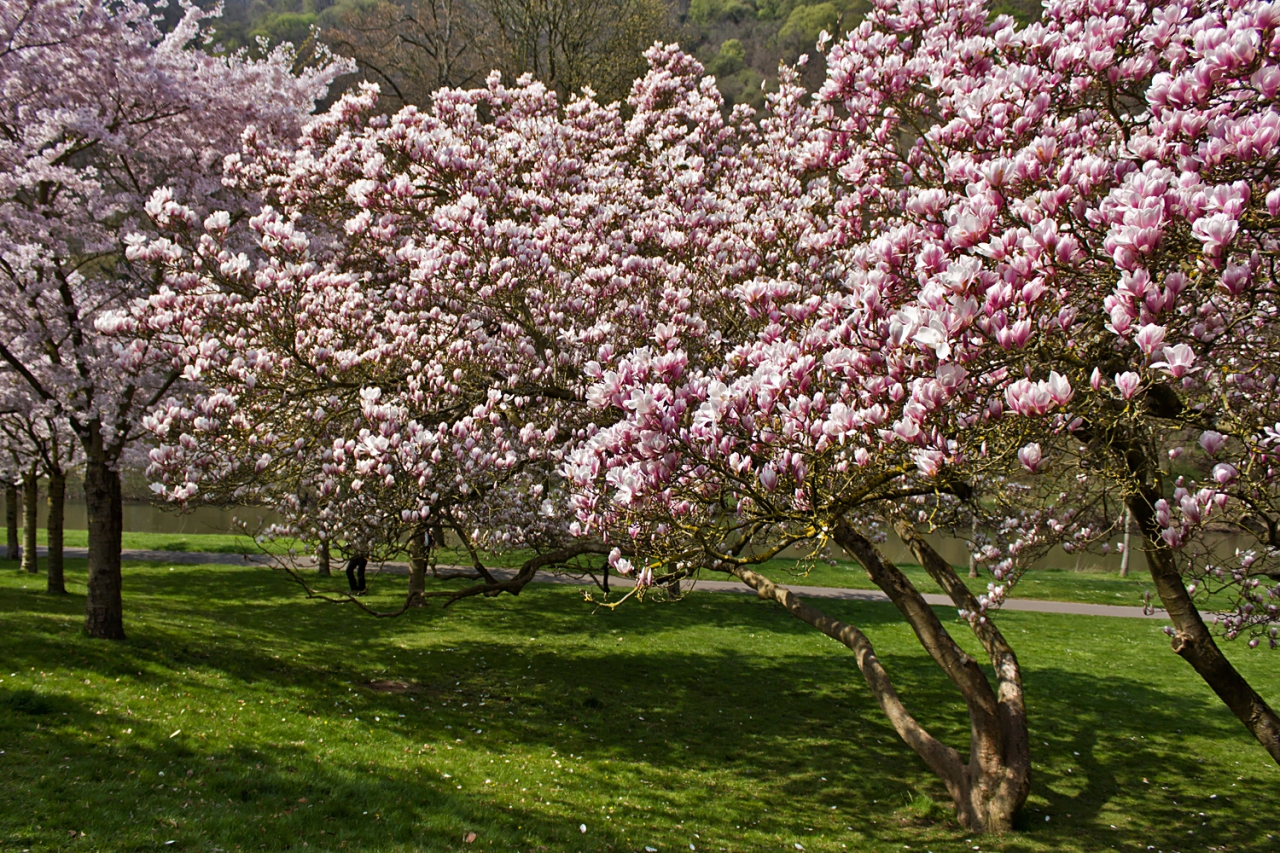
99	107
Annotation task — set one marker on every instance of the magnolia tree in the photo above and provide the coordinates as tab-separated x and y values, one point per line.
1087	211
99	108
1048	261
425	321
801	418
397	340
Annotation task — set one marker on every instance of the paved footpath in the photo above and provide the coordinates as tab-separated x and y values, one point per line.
1027	604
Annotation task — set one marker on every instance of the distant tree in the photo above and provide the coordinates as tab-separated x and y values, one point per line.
414	47
39	444
410	49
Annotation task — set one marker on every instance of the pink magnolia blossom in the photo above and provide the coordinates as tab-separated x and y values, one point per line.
1128	383
1030	456
1212	441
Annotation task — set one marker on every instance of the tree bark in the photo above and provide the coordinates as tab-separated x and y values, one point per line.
1192	640
973	563
1124	552
57	504
30	505
1002	776
104	610
322	559
11	520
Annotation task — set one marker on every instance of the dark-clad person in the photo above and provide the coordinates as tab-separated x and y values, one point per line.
355	574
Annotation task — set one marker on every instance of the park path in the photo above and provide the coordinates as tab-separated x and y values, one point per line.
1022	604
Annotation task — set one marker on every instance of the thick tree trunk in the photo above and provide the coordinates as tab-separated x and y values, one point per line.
1000	768
30	505
57	504
1191	637
1125	551
417	569
11	521
104	610
982	804
322	559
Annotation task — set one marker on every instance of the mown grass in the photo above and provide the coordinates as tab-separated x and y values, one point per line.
239	716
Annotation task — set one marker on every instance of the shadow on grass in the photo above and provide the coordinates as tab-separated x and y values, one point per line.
680	703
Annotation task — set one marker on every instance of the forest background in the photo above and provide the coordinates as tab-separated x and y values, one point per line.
413	47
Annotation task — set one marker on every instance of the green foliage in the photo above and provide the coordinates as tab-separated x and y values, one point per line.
293	27
806	22
731	58
742	87
1023	11
774	10
278	722
710	11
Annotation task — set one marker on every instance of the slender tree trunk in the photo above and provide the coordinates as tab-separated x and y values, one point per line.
1124	552
992	785
30	505
1191	637
973	563
11	520
417	568
104	609
322	559
57	505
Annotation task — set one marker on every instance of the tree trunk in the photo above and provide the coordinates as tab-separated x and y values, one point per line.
1124	552
11	520
1191	637
57	501
992	787
984	803
322	559
417	568
30	505
104	610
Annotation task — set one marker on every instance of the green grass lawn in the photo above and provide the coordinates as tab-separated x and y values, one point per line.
209	543
1088	586
239	716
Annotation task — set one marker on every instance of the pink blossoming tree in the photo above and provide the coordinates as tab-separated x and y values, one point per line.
1089	209
98	109
397	340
